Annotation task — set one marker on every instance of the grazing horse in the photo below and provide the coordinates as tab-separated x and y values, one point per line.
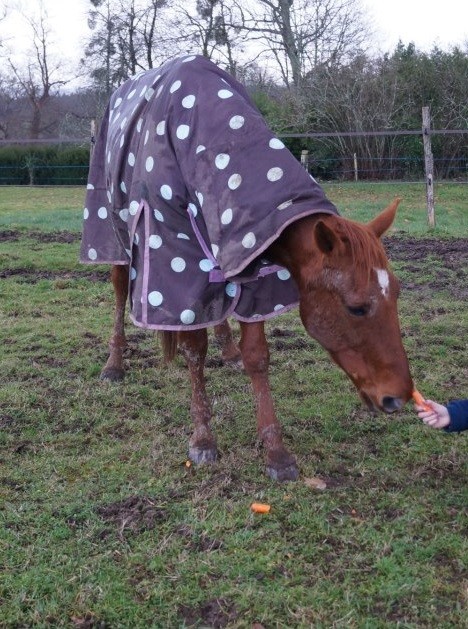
205	214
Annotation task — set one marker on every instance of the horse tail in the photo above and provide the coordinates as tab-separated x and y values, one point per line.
168	344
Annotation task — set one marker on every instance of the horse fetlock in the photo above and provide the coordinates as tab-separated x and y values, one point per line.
201	455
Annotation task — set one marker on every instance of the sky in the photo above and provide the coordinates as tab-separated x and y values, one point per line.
408	20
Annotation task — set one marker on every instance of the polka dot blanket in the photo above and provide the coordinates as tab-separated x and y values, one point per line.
189	187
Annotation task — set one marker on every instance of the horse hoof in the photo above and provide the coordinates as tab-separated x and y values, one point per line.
281	474
201	456
113	374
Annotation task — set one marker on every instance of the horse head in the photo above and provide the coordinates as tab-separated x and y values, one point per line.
348	301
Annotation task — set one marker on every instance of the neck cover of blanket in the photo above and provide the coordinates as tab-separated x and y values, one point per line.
188	186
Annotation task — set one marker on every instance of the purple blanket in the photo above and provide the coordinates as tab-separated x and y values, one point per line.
189	187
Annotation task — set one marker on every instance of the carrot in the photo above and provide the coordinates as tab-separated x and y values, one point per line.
258	507
419	400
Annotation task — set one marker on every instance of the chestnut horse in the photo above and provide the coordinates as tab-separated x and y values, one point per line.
348	303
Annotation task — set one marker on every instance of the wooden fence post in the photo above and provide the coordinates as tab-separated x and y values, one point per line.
305	159
93	138
355	167
428	165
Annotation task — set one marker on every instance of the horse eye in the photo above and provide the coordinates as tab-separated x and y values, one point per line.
358	311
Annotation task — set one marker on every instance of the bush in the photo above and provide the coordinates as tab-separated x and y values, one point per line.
44	165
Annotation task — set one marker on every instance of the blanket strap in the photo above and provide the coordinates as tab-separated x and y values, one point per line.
216	274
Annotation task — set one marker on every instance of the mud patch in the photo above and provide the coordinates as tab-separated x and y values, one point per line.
215	613
30	276
134	515
9	235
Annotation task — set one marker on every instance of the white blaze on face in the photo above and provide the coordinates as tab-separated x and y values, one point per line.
384	281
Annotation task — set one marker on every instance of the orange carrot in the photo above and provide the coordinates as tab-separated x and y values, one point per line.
419	400
258	507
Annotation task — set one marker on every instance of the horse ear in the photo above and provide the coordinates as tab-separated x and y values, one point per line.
324	237
380	224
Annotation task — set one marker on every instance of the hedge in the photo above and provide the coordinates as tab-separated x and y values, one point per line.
44	165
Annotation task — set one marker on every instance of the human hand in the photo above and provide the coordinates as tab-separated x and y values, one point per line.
437	417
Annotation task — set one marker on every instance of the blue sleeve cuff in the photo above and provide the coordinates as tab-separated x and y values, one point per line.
458	411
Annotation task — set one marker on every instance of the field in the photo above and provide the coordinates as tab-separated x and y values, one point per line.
102	524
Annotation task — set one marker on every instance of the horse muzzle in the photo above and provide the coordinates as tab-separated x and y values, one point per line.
388	403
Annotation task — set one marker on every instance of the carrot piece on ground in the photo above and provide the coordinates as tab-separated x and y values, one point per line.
419	400
258	507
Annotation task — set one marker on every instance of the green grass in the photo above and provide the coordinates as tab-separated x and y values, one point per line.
103	525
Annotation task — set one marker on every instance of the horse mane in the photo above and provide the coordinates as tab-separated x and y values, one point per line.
367	250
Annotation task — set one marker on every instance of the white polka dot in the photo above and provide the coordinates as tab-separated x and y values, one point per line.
234	181
166	192
231	289
178	265
131	94
187	317
117	102
161	128
283	274
155	241
226	216
139	125
124	214
109	196
123	123
206	265
123	187
193	209
222	160
102	212
175	86
131	159
85	213
92	254
122	140
109	157
199	196
237	122
278	307
136	239
183	131
133	209
149	93
90	186
224	94
133	274
249	240
284	205
189	101
160	89
158	216
155	298
200	148
215	250
183	236
146	136
275	143
149	164
191	58
275	174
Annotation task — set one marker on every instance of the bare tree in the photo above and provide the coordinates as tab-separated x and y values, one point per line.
302	34
40	77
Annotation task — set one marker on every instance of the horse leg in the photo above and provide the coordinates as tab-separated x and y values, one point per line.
281	465
202	447
113	369
229	351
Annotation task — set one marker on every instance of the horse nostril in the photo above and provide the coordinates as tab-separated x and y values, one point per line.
391	404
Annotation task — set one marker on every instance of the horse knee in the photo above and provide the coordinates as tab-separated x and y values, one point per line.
256	360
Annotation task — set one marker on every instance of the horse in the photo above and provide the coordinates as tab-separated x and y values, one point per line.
205	214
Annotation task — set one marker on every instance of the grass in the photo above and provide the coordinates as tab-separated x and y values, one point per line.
103	525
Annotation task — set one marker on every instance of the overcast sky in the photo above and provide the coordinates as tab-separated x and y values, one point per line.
408	20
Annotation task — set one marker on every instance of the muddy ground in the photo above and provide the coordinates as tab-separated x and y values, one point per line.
442	262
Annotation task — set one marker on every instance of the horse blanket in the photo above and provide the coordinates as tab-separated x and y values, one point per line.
189	187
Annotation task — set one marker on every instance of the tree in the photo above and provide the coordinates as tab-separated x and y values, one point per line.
128	36
303	34
40	77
